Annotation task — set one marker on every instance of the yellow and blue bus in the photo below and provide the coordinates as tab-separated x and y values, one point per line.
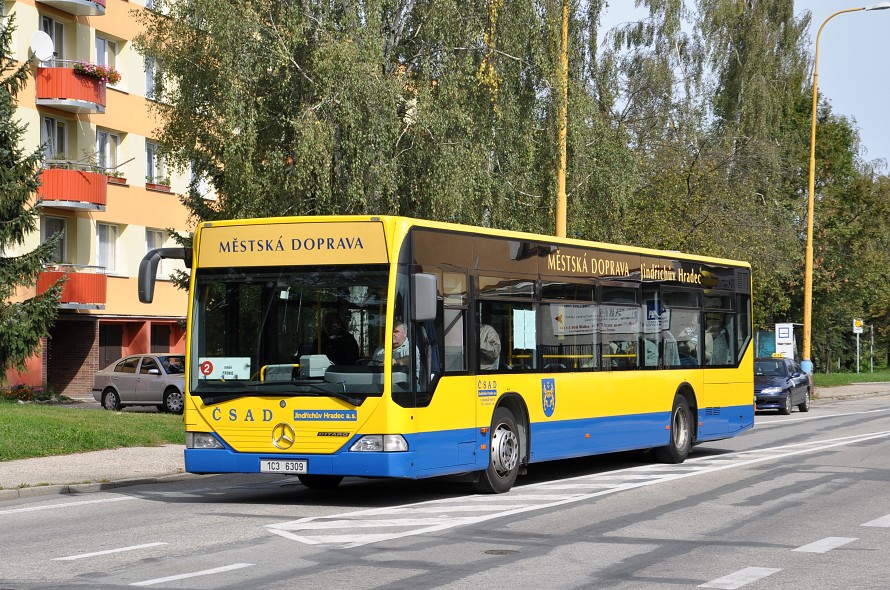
377	346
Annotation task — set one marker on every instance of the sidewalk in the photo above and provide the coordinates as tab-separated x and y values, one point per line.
853	391
91	472
103	470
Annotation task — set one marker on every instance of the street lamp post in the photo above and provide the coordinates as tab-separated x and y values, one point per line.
806	363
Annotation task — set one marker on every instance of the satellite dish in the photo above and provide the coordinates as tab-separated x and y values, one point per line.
42	46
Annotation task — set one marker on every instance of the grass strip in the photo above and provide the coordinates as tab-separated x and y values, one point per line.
37	430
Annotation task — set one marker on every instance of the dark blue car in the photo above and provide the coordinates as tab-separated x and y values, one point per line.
779	384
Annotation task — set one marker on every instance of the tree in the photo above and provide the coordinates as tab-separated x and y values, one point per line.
22	323
688	130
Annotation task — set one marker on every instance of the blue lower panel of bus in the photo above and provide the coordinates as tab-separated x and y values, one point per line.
565	439
456	451
431	454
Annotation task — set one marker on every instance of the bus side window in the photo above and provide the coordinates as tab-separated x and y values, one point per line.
454	306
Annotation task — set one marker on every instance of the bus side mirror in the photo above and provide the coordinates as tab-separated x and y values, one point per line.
423	298
148	269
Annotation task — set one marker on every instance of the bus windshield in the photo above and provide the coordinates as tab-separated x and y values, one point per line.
281	330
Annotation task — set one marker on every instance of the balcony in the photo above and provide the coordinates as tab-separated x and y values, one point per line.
71	185
85	287
78	7
65	89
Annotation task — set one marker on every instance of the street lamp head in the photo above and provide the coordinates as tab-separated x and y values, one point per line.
878	6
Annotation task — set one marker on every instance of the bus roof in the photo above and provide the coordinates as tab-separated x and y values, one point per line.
403	224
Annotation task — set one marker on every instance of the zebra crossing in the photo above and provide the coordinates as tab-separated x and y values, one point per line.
364	527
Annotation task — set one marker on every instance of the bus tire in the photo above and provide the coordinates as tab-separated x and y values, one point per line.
320	482
681	433
504	445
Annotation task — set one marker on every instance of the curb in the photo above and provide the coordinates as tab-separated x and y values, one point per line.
86	488
843	396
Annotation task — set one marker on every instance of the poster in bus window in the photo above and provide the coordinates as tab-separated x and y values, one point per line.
619	320
658	318
524	328
573	319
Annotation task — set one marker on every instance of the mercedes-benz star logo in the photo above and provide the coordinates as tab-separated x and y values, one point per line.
283	436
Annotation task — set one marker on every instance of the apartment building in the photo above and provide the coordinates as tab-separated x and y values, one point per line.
105	187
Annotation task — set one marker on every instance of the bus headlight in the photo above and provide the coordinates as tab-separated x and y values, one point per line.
201	440
380	442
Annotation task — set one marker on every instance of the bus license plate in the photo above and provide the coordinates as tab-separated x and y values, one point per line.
283	466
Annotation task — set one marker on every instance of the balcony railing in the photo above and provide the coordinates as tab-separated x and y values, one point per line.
59	86
78	7
73	185
85	286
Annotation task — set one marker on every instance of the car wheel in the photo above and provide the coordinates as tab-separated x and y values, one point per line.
320	482
111	400
173	401
786	408
805	406
503	464
681	433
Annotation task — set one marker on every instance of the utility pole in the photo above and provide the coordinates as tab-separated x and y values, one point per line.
563	116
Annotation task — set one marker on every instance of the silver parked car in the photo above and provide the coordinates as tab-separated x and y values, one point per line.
142	380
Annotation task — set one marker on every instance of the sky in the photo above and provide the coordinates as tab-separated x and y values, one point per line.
853	73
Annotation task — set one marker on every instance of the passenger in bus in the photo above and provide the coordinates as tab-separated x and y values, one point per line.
716	341
336	342
489	348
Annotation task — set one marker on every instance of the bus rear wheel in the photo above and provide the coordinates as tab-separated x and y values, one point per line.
503	466
320	482
681	433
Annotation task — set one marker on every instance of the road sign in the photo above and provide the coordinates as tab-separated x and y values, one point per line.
857	326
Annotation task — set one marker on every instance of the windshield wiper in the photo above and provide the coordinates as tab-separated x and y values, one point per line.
339	395
315	388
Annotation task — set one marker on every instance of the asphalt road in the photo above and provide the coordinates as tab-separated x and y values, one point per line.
801	501
114	468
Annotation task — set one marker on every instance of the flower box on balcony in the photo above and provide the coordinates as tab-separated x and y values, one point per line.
153	186
101	72
117	180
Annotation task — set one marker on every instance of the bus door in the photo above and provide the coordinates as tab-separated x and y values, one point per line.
445	396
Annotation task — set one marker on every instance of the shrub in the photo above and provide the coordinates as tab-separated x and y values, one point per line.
26	393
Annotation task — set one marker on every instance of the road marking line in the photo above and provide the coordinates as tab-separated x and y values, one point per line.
884	521
216	570
825	545
97	553
791	420
740	578
66	505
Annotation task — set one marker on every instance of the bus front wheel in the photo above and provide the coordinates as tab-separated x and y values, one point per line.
681	434
503	465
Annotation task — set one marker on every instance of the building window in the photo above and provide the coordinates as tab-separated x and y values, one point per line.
154	89
106	247
50	226
107	144
54	137
155	169
106	52
56	32
154	239
199	182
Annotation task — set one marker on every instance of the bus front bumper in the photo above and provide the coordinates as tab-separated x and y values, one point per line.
359	464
